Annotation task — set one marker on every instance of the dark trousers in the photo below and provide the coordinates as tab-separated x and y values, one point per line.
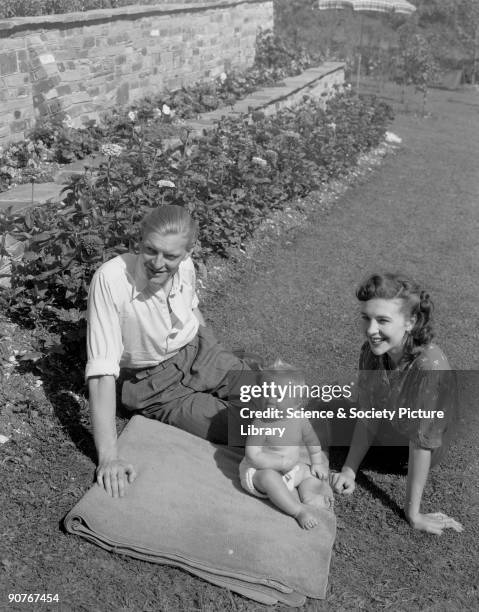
193	390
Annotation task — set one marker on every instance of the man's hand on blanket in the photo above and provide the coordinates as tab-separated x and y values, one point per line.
113	475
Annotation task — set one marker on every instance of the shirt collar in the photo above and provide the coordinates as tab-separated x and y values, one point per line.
387	364
140	280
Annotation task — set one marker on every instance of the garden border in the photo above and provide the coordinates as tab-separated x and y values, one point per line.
313	81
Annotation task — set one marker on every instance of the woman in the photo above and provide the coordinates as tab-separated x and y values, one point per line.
400	368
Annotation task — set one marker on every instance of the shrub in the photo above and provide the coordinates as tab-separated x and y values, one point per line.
31	8
230	179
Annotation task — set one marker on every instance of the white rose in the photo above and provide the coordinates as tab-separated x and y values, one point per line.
165	183
259	161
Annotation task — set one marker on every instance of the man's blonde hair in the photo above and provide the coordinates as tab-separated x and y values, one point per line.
170	219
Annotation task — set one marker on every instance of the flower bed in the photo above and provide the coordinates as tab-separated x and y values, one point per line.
230	180
55	141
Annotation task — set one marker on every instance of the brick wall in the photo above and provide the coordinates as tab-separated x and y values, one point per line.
84	63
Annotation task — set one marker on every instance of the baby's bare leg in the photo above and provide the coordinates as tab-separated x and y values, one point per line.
271	483
316	493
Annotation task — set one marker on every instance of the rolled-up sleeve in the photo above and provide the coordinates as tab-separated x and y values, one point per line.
190	277
104	343
437	393
195	302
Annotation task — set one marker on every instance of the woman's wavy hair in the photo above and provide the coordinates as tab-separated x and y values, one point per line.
417	303
170	219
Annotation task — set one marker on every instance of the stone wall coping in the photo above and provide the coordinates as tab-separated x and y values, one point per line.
262	98
98	16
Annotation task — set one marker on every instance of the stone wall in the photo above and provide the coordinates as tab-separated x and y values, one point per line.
84	63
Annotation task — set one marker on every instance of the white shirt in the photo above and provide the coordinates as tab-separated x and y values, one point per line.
131	326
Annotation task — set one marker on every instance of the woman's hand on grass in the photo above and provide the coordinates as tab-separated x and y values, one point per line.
113	475
343	482
434	522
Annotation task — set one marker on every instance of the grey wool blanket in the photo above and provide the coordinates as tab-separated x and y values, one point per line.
186	508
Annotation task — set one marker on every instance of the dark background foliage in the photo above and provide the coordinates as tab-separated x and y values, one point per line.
450	28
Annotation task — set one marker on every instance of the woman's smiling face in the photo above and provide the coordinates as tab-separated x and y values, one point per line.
385	325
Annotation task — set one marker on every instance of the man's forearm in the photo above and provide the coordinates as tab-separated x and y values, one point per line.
103	410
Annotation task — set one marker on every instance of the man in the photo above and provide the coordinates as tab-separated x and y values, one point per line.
145	330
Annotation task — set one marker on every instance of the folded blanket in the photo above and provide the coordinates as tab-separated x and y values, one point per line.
186	508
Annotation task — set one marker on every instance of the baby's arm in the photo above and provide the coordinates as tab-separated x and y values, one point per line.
319	458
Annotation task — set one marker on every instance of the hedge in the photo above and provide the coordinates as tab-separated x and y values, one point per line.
32	8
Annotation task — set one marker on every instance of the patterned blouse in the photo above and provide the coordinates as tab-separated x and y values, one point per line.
426	383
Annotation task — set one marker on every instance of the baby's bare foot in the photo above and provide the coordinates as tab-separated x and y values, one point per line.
307	518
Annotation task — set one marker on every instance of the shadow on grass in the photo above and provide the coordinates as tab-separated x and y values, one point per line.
379	459
366	483
61	371
73	417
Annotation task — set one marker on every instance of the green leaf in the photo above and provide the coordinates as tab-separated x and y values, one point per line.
30	356
42	237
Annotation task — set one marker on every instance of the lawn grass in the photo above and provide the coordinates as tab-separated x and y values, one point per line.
417	212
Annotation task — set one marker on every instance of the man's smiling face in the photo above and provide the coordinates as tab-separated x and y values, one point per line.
161	255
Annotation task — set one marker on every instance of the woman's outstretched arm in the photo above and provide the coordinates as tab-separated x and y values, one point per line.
363	435
418	471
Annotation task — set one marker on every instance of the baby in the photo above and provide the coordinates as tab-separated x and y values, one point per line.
272	468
